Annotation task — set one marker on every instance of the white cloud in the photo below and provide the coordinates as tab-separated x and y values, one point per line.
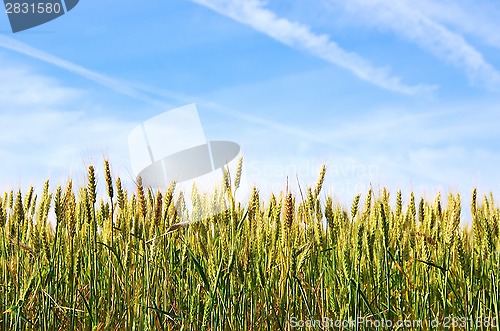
243	116
40	92
47	129
414	22
445	148
429	146
52	132
477	19
149	94
300	36
47	133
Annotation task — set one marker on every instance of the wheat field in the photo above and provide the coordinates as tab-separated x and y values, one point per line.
127	260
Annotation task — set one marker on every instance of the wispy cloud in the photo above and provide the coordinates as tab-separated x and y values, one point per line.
46	128
253	13
41	92
55	134
472	18
149	94
259	121
402	145
416	24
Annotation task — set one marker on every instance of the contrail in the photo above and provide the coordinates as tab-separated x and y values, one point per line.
249	118
113	84
143	92
255	14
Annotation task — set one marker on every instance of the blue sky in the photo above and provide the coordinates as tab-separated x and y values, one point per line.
401	94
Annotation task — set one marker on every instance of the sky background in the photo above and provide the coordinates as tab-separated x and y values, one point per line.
398	94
